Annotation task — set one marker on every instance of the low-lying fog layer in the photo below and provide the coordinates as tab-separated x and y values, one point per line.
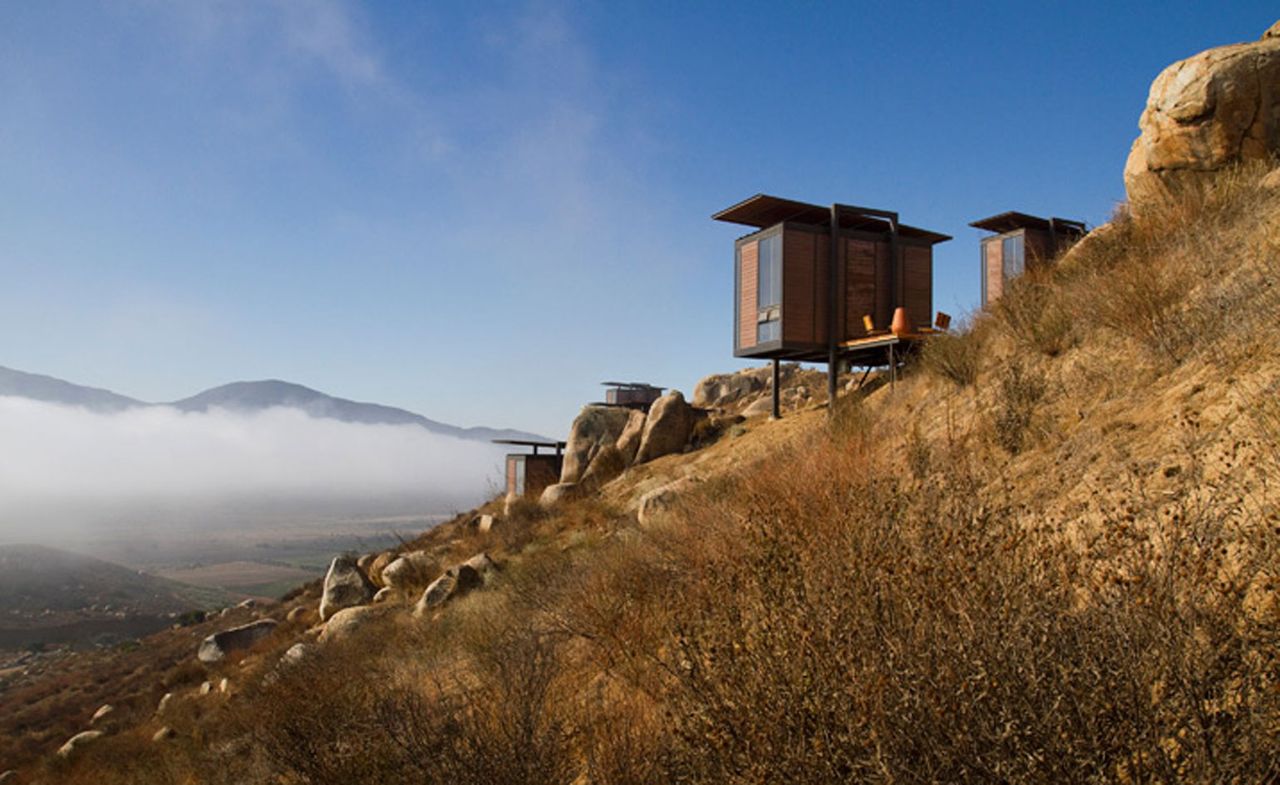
65	469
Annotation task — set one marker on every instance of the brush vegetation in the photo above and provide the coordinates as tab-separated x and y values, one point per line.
1049	556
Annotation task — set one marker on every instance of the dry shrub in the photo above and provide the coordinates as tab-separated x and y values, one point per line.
855	632
1035	315
1021	388
954	356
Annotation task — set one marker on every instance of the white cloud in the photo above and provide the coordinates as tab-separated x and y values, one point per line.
74	467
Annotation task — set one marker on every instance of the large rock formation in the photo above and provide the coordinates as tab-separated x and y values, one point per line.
220	644
628	443
1217	108
345	586
594	428
667	428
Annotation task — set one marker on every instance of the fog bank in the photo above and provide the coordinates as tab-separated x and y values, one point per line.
67	467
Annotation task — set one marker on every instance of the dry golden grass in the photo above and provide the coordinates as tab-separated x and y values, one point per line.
1051	555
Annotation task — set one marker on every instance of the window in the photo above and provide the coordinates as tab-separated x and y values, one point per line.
519	489
1012	254
769	291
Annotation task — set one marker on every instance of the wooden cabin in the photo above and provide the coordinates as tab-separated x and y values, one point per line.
1020	241
633	395
529	473
811	282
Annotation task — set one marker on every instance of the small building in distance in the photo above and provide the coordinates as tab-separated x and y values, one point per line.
529	473
1020	241
633	395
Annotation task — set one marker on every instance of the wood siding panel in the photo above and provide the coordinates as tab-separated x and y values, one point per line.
860	296
541	471
1039	247
511	474
821	287
917	271
798	307
994	252
884	287
749	282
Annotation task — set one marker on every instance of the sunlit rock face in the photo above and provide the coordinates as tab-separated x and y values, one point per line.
1214	109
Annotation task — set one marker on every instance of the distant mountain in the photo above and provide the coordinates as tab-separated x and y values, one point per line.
51	390
255	396
243	396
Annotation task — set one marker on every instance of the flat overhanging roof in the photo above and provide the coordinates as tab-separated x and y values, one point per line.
530	443
763	210
1013	220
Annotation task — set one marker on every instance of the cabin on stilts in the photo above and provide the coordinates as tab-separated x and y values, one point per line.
1020	241
840	285
528	474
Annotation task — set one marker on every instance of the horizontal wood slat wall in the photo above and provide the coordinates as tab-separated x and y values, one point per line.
799	287
860	298
917	270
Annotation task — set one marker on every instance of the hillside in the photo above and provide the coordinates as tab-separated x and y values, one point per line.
244	397
52	596
1048	555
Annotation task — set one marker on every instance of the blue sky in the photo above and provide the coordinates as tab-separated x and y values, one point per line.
480	211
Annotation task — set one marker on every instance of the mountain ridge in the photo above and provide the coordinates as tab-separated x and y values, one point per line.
247	396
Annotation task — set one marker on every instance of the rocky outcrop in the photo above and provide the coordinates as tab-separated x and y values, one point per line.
78	742
345	586
628	443
595	428
667	428
722	389
297	653
218	645
607	464
410	569
455	582
1220	107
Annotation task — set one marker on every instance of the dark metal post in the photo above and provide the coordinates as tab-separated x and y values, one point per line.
777	391
893	369
832	304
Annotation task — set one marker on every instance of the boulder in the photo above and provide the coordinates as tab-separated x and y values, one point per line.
667	428
297	653
206	688
482	523
482	564
658	502
413	568
224	686
220	644
759	407
296	615
9	776
384	594
594	428
103	713
607	465
345	586
348	620
455	582
365	562
164	734
628	443
379	564
78	742
560	492
164	703
1214	109
1272	180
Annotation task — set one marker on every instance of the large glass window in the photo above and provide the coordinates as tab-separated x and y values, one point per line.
1012	254
769	291
519	489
